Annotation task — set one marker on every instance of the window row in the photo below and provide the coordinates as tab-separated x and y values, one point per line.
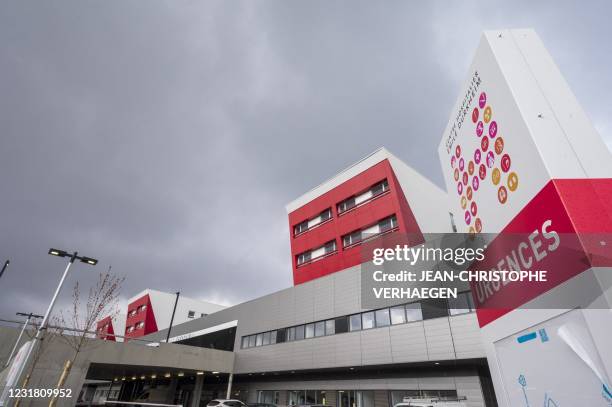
308	224
349	203
370	232
137	310
261	339
132	328
384	317
317	253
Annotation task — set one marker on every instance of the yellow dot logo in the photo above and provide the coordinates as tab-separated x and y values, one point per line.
463	202
512	181
495	176
486	117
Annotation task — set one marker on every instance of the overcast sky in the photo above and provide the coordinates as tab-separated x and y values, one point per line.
165	138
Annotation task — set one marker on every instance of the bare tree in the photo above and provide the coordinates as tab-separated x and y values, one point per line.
79	321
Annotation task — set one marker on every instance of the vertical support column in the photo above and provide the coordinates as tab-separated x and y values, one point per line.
229	386
197	391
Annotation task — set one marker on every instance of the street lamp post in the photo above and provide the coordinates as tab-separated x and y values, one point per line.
6	263
43	325
25	325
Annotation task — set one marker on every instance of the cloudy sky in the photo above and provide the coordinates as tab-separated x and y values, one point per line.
166	137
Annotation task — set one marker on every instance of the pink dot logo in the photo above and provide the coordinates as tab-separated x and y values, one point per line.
477	157
457	151
468	217
475	115
473	208
459	188
484	144
476	183
493	129
453	161
490	159
465	178
461	164
482	100
482	172
479	129
505	163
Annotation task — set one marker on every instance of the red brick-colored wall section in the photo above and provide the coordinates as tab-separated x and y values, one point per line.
147	316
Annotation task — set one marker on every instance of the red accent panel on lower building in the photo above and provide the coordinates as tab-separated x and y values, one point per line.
391	202
105	329
145	316
580	212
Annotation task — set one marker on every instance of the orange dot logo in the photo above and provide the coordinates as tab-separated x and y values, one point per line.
487	114
456	174
502	194
499	145
471	167
468	192
495	176
512	181
478	225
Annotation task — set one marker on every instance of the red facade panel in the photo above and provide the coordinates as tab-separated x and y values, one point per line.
391	202
105	329
143	320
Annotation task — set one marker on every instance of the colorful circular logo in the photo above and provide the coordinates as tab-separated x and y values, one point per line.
486	117
461	164
457	151
490	159
463	202
482	172
478	224
482	100
499	145
473	208
472	232
505	163
459	188
456	174
493	129
495	177
453	161
484	144
476	156
512	181
475	115
471	167
468	193
476	183
465	178
502	194
479	129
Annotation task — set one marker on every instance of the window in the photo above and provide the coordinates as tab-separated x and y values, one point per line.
355	322
314	254
320	328
369	232
245	342
252	340
202	315
313	222
310	328
398	315
259	340
266	338
133	312
414	312
290	334
367	320
330	327
140	325
299	332
382	317
356	200
273	337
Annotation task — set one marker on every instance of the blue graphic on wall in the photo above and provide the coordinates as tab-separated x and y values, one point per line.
548	402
